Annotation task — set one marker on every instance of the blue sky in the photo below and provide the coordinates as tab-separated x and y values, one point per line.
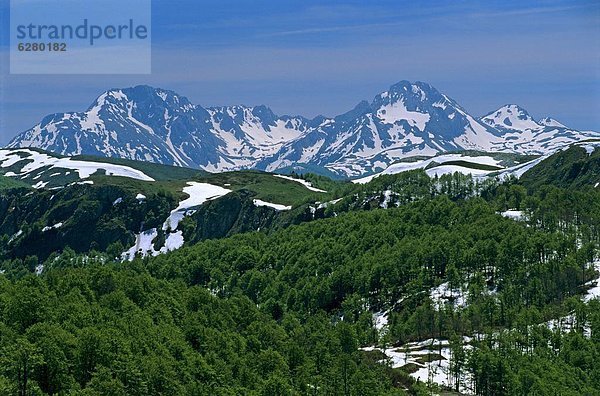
313	57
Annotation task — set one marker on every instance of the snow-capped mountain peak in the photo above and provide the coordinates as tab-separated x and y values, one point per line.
511	117
551	122
408	119
522	134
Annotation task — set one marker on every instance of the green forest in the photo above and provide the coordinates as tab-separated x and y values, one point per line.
290	309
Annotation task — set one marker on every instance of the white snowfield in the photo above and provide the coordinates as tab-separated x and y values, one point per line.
589	149
395	111
518	170
439	170
198	193
589	146
381	321
450	169
301	181
443	294
326	204
594	285
258	202
143	245
257	140
55	226
513	214
436	371
84	169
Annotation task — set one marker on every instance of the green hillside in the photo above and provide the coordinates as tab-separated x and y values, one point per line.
573	167
158	172
7	183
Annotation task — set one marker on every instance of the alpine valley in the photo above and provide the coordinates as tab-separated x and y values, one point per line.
409	119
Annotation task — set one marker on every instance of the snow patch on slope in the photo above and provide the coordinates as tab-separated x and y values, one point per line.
397	111
85	169
513	214
55	226
594	285
436	371
441	159
301	181
198	193
259	203
443	294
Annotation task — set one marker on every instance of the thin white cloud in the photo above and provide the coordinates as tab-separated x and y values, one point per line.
329	29
524	11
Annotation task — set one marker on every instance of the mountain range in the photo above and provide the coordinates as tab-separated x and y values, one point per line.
409	119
